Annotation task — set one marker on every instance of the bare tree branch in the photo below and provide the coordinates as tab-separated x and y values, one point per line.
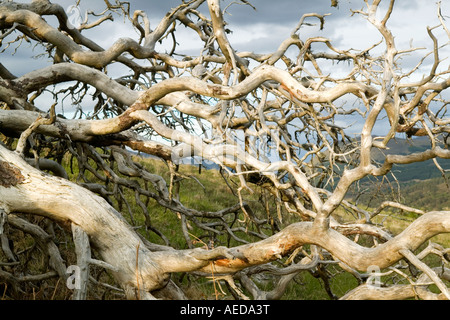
110	172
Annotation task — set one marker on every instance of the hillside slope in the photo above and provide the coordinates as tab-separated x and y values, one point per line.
420	184
414	171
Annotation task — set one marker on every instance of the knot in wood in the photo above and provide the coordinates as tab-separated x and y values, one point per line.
9	175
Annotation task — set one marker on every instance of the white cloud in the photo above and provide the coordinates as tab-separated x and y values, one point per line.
259	37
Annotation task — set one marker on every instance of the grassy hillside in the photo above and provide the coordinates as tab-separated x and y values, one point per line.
430	194
419	184
209	192
414	171
426	194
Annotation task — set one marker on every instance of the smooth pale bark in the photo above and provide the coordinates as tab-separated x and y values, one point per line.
396	292
27	16
147	98
140	271
400	291
342	248
142	268
25	189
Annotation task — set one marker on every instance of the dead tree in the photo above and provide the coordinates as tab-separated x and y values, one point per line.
269	121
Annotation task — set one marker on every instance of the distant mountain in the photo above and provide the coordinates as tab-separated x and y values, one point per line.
414	171
403	146
418	184
403	173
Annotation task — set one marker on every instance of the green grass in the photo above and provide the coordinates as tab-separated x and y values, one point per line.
306	286
210	193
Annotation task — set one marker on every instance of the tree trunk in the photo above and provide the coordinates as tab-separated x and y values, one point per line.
24	189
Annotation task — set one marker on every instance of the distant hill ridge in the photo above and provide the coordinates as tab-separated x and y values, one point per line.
414	171
403	146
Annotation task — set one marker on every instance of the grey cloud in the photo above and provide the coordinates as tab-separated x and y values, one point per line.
24	59
281	11
272	19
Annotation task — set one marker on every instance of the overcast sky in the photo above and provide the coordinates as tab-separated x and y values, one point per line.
263	30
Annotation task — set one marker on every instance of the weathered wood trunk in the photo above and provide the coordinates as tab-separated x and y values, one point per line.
141	271
24	189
